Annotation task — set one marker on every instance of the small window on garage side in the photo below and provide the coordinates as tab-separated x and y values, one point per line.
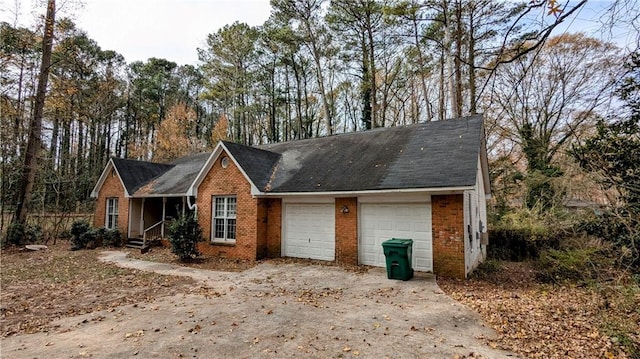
224	219
111	221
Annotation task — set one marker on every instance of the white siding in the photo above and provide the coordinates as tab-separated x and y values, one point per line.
475	219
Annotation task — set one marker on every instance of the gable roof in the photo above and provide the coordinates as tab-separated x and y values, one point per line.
257	163
433	155
135	173
429	155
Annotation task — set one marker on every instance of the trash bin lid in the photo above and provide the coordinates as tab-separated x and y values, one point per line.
397	242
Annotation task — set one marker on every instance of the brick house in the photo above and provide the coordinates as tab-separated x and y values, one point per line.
334	198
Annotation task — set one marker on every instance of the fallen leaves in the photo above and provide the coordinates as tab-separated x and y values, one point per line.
539	320
40	287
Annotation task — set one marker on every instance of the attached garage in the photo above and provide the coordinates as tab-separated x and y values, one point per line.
309	231
382	221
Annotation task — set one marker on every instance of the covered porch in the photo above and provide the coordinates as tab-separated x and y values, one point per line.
149	216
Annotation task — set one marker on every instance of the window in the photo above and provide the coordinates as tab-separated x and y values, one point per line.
224	219
112	213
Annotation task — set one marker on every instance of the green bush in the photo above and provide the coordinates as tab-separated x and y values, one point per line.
19	234
622	229
33	233
112	238
522	234
184	234
81	235
15	234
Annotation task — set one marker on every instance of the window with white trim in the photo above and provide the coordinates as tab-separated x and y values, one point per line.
224	219
111	221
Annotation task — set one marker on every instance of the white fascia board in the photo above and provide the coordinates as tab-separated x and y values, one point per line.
193	189
440	190
103	177
163	195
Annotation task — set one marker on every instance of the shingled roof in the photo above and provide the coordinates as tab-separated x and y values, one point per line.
177	179
136	173
258	164
441	154
430	155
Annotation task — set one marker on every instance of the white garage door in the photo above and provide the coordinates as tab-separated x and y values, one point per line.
309	231
379	222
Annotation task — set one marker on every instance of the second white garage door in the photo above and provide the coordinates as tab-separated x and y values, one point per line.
309	231
379	222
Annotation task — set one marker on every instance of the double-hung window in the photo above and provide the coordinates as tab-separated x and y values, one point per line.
112	213
224	219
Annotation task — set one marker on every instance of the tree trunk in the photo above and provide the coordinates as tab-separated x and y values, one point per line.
372	77
457	110
35	127
472	65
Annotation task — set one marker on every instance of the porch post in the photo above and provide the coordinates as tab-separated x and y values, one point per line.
184	205
164	212
142	220
129	220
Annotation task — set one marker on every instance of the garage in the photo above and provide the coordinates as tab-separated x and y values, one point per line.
309	231
382	221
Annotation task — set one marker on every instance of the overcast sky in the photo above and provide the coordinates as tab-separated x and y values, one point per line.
140	29
174	29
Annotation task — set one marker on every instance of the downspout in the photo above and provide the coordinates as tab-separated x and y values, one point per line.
192	207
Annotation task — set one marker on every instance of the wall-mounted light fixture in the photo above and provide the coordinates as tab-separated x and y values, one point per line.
345	209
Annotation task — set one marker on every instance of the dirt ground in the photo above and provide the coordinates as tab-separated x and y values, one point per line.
272	310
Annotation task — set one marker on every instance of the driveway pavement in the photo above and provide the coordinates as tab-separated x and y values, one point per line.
272	310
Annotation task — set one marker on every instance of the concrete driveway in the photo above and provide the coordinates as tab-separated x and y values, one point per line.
273	310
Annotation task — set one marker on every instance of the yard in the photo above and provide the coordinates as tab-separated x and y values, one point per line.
71	304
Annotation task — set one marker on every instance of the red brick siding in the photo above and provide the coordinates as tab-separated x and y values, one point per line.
274	228
448	235
112	187
262	227
347	231
229	182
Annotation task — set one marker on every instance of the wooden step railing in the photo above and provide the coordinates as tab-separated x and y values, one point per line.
153	233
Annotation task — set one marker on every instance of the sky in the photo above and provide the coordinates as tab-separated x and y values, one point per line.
174	29
140	29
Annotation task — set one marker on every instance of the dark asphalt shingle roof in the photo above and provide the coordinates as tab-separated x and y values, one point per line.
136	173
257	164
177	179
430	155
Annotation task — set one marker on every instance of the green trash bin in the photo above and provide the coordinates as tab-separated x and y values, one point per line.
397	252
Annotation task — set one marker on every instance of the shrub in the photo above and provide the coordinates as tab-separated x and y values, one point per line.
19	234
80	235
184	234
15	234
523	234
112	238
33	233
620	227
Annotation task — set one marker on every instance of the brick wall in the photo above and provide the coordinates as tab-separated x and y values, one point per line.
448	235
261	228
347	231
229	182
274	227
112	187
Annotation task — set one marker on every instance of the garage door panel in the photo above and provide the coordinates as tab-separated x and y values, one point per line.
379	222
309	231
